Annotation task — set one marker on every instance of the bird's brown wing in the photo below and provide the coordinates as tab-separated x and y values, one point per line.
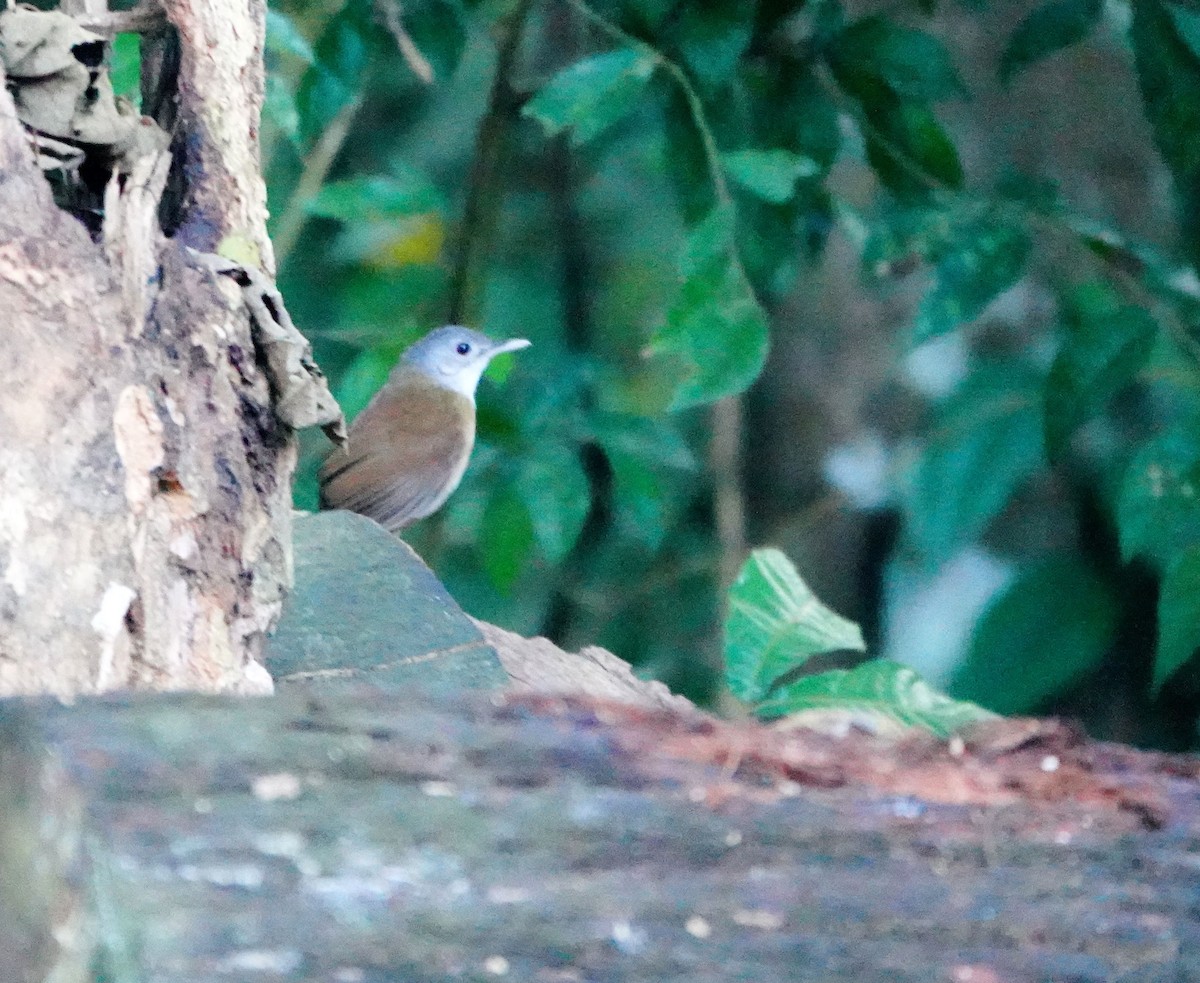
406	452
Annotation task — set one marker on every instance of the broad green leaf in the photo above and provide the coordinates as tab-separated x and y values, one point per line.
1108	342
1169	77
377	198
908	149
1158	514
1049	628
507	539
125	69
880	689
776	624
986	442
769	174
554	489
989	258
686	160
1187	26
713	36
593	94
284	38
716	332
913	64
643	452
1178	616
1055	25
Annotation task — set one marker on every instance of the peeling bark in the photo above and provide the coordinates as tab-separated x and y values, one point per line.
144	476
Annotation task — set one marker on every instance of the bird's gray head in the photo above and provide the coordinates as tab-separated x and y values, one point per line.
455	357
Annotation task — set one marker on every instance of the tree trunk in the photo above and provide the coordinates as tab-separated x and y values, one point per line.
144	476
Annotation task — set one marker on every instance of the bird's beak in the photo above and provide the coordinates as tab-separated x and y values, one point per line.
511	345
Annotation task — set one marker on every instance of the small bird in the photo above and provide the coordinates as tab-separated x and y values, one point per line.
408	449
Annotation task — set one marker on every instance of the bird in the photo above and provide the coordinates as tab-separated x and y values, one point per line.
408	449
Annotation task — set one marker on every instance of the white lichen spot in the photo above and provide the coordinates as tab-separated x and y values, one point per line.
496	966
767	921
1050	763
500	894
276	962
438	790
17	576
733	838
699	927
246	876
184	545
108	622
280	786
628	938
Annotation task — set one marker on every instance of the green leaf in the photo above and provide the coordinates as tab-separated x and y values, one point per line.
911	63
716	332
908	149
713	36
1187	26
1169	77
377	198
775	625
593	94
989	258
507	539
1044	632
986	442
1108	342
1051	27
686	160
880	689
125	67
554	489
284	38
769	174
642	452
1158	513
1178	616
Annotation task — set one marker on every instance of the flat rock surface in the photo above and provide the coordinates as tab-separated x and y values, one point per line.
369	834
365	605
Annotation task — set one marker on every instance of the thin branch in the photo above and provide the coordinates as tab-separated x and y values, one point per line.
393	19
482	199
312	178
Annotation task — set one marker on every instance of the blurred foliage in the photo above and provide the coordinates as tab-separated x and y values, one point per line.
636	185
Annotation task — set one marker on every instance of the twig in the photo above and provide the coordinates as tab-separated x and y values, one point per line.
393	19
477	217
316	169
729	501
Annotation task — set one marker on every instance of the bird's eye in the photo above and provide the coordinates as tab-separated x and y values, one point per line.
463	348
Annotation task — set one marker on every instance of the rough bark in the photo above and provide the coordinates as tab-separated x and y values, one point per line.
374	835
144	478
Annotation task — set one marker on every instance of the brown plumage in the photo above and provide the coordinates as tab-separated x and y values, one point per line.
408	450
